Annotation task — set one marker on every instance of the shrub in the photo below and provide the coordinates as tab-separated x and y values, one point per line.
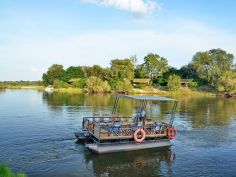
60	84
123	86
174	82
96	85
79	83
194	84
7	172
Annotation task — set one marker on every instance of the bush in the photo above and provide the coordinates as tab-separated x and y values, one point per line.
123	86
60	84
174	82
194	84
6	172
79	83
96	85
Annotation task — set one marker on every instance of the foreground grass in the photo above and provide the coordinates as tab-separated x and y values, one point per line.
7	172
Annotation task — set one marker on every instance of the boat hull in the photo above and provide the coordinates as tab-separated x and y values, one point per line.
131	146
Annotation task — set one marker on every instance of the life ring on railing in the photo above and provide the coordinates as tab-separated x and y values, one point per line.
137	137
171	133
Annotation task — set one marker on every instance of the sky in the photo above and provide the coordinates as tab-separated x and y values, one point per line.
36	34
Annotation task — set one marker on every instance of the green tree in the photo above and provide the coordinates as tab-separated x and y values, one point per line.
54	72
122	69
164	79
210	65
227	82
97	71
79	83
73	72
124	86
96	85
155	65
140	72
174	82
60	84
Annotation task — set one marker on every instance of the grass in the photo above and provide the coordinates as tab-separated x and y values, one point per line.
68	90
23	87
163	91
7	172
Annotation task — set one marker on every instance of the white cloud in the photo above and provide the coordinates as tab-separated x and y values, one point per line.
134	6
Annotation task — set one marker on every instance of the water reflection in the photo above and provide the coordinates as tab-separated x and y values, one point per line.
2	90
137	163
200	112
203	112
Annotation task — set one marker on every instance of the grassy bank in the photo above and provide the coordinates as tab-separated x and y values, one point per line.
68	90
163	91
22	87
147	91
7	172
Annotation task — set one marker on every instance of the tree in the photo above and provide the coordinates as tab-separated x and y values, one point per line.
227	82
123	86
96	85
155	65
73	72
164	79
60	84
140	72
174	82
210	65
97	71
54	72
122	69
189	72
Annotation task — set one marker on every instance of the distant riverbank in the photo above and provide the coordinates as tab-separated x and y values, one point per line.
147	90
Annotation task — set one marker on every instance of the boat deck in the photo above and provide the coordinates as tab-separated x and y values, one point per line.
101	130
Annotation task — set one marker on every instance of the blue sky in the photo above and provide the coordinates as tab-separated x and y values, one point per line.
37	34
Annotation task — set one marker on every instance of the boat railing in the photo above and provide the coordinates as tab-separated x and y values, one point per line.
126	131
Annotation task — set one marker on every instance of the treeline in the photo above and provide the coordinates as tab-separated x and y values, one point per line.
214	69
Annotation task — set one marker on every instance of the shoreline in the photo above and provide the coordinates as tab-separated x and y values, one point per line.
149	91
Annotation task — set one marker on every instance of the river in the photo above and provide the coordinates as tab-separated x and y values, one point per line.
37	137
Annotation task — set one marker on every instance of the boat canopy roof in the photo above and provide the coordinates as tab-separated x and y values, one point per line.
147	98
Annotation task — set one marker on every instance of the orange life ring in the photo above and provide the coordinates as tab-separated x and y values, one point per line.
136	137
171	133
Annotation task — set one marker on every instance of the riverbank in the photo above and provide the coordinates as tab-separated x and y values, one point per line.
145	91
33	87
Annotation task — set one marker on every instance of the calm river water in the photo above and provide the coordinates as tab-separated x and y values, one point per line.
36	136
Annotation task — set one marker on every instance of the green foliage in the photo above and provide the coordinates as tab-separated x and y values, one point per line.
123	86
210	65
194	84
122	69
140	72
174	82
60	84
227	82
159	81
96	85
79	83
54	72
7	172
155	65
73	72
98	71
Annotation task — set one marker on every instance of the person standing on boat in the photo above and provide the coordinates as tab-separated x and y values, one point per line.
141	118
